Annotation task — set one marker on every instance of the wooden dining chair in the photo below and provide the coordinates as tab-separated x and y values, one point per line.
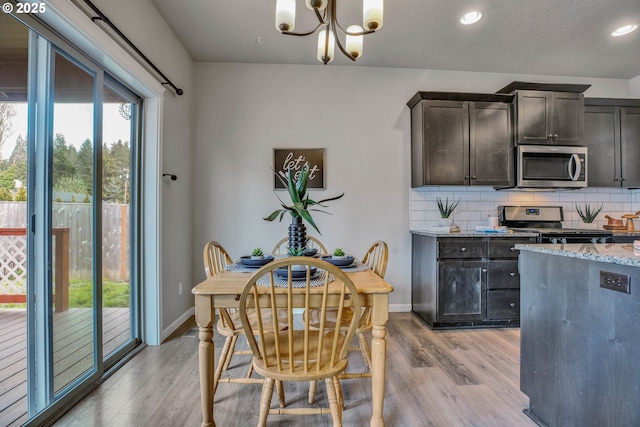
229	325
376	258
312	242
299	353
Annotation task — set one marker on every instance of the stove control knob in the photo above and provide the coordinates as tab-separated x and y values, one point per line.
512	274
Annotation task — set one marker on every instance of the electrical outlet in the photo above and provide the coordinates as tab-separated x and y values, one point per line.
180	288
615	282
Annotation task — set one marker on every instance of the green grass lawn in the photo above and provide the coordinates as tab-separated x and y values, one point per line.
115	294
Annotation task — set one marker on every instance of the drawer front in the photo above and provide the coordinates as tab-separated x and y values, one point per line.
505	248
461	248
503	274
503	305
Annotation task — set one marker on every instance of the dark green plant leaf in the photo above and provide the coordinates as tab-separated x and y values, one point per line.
297	189
274	215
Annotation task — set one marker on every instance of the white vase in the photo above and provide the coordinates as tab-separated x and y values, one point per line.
588	225
445	222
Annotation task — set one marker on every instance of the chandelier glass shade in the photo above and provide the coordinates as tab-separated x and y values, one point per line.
328	26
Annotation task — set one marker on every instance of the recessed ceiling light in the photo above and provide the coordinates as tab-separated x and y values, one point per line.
624	30
471	17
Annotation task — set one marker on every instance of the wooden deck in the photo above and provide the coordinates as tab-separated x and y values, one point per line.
73	355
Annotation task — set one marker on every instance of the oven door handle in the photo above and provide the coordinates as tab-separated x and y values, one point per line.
574	167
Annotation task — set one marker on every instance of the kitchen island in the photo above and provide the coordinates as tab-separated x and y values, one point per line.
580	334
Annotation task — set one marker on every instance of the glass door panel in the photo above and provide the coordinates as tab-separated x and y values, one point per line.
74	263
14	278
117	132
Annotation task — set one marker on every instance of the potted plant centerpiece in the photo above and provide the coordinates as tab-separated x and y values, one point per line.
446	209
300	208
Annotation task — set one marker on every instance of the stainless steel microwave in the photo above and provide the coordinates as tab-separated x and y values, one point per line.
548	166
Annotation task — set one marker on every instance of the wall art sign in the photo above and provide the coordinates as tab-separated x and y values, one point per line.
295	159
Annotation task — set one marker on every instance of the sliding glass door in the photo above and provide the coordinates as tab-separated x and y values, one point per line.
80	221
120	112
73	218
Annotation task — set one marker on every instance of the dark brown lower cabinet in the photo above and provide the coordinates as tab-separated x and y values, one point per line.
466	281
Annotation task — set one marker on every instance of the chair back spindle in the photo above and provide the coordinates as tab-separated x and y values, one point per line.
376	257
312	242
300	350
215	257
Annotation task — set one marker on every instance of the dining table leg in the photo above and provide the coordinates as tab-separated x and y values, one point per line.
204	319
379	317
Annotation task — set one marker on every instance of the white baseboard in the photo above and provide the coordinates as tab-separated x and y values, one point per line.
399	308
177	323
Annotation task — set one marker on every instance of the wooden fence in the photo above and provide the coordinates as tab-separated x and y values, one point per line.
77	217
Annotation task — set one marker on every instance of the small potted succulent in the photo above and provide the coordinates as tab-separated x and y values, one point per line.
587	213
446	209
338	253
293	251
257	254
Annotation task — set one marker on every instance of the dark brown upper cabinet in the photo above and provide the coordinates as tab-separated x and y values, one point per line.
549	117
612	135
461	139
548	113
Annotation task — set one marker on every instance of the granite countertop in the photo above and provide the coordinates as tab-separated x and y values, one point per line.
627	233
612	253
469	233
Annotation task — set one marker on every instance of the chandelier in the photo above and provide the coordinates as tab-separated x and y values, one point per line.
325	11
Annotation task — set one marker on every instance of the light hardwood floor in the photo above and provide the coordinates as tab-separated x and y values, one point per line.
434	378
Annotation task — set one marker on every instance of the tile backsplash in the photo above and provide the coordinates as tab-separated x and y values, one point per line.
477	202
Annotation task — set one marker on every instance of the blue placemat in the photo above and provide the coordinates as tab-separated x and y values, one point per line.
282	282
238	267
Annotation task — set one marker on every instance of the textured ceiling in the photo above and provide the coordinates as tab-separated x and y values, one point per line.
549	37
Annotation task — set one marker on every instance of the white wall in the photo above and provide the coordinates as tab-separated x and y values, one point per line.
358	114
634	87
143	25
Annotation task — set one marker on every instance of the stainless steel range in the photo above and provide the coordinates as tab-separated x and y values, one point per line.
547	222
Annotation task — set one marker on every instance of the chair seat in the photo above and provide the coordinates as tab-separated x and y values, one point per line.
225	329
297	372
332	315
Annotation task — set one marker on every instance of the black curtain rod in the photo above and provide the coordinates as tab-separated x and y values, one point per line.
101	17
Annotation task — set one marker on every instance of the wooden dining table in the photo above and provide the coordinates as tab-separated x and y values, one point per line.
223	291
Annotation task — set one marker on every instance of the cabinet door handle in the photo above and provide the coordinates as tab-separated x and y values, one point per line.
512	248
624	179
513	304
549	136
484	270
512	274
463	249
473	177
467	177
555	135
